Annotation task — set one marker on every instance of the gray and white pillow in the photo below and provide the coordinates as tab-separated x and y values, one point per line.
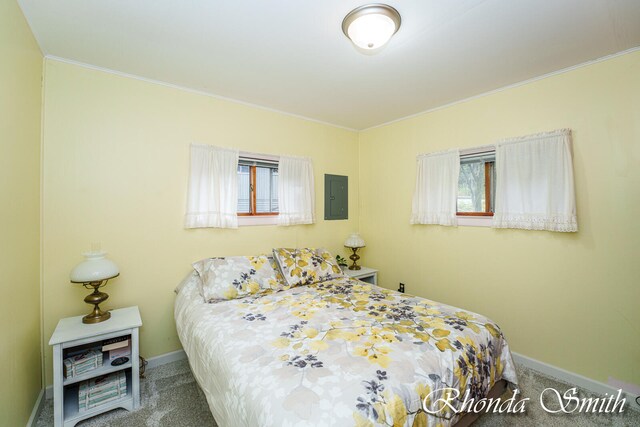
236	277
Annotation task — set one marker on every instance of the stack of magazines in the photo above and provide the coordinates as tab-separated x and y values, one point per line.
100	390
117	347
80	363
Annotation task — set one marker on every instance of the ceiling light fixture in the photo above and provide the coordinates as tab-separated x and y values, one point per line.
371	26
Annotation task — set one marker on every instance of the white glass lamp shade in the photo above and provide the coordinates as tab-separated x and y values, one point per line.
371	26
354	241
95	268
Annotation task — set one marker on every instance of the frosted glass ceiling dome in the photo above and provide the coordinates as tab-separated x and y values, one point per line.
371	26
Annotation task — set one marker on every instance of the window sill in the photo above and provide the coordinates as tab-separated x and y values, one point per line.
474	221
247	221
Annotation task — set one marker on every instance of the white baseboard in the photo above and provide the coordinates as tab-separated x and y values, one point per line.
572	378
37	408
544	368
163	359
152	362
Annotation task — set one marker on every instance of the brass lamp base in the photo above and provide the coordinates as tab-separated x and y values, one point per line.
95	298
354	257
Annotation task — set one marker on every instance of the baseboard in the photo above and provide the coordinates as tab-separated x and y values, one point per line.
163	359
544	368
152	362
37	408
572	378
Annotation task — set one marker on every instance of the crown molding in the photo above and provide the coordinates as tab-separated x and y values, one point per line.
273	110
511	86
194	91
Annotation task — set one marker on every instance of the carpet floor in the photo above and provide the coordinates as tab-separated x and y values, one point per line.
170	397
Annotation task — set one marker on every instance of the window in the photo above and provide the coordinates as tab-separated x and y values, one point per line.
257	187
476	184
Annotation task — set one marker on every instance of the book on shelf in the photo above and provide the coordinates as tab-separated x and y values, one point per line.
113	343
81	363
100	390
120	352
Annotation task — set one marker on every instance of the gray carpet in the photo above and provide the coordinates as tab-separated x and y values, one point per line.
171	397
531	385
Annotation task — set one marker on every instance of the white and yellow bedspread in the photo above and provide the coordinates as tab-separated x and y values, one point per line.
339	353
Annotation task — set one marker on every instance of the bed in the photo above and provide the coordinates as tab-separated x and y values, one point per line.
339	352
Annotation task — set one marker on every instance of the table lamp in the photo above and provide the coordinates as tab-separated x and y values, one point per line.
94	272
355	242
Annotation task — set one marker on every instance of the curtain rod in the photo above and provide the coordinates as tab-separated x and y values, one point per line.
478	150
259	156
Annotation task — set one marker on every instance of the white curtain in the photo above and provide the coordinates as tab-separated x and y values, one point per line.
534	183
436	192
213	188
296	195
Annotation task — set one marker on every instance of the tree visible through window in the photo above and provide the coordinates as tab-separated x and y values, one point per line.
476	185
257	188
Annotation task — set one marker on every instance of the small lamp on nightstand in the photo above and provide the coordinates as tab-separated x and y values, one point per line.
354	242
94	272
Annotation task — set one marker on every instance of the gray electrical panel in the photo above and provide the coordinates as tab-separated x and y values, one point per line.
336	197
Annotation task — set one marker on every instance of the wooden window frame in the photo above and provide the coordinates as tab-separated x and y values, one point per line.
487	193
252	196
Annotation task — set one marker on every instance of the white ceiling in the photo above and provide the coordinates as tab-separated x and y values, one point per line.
291	55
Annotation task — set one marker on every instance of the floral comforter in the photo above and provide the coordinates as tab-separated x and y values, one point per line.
340	353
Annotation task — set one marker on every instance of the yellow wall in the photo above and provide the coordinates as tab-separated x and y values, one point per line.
115	171
570	300
20	106
116	157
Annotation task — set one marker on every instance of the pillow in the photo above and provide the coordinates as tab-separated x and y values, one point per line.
236	277
306	266
281	284
193	275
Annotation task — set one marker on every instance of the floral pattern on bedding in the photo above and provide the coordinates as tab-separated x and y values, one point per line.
362	354
306	266
280	284
237	277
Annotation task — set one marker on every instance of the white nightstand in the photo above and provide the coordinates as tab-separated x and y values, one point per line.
71	334
365	274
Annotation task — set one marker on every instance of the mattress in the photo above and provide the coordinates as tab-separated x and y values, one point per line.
340	352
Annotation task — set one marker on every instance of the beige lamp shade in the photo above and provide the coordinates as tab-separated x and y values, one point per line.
354	241
95	268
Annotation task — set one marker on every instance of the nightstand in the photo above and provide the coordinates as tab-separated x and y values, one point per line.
365	274
71	335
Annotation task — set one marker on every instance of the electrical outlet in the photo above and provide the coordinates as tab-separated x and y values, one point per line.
401	288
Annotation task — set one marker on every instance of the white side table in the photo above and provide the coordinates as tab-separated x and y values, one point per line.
365	274
72	334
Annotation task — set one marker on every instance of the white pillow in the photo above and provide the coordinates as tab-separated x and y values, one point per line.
306	266
236	277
